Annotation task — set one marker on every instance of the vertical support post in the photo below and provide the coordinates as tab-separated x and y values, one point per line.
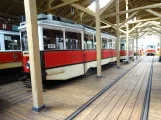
40	36
127	33
118	34
98	40
34	54
82	36
133	46
136	44
2	42
160	45
64	40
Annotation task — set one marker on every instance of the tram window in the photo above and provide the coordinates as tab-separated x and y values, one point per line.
109	44
95	42
73	40
104	43
88	41
122	46
12	42
114	45
24	41
53	39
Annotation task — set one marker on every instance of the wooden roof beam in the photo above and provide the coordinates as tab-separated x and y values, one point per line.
83	9
134	27
126	20
144	20
112	25
158	5
155	24
153	12
105	7
61	5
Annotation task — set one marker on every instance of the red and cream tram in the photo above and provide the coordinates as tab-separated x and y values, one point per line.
150	50
10	52
67	49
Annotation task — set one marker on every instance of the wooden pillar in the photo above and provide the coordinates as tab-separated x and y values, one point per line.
160	45
136	44
133	46
127	33
118	34
98	40
34	54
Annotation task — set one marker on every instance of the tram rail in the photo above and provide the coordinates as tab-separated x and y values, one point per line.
73	115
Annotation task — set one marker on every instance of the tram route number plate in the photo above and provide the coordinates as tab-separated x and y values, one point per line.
51	45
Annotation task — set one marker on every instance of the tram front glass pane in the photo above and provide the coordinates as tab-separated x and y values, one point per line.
73	40
53	39
88	41
104	43
12	42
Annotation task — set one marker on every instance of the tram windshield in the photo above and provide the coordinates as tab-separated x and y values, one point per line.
151	46
12	42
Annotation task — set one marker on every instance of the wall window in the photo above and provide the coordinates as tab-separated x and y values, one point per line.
73	40
12	42
53	39
104	43
88	41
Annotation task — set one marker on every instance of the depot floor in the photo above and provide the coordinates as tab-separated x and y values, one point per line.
122	101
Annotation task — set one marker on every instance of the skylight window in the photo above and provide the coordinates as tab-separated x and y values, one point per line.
92	6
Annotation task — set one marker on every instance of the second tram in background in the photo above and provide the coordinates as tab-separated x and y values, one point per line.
150	50
67	49
10	53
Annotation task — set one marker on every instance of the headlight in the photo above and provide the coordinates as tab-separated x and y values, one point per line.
28	64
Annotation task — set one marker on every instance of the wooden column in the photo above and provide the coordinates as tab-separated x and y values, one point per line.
118	34
98	40
133	46
160	45
34	54
127	33
136	44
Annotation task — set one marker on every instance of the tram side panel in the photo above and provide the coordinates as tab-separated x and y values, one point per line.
10	64
62	65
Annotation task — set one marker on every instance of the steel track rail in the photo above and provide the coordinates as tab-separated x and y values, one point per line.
73	115
145	110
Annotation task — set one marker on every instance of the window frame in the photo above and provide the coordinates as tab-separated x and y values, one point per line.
2	41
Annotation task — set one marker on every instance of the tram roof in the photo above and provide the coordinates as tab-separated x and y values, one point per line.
13	9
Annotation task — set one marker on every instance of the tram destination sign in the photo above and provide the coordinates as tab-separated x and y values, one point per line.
5	27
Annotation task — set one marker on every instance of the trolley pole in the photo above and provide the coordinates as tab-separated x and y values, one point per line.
160	45
98	40
118	34
34	54
127	33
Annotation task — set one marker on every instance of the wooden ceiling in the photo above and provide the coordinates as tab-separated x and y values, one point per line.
13	9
